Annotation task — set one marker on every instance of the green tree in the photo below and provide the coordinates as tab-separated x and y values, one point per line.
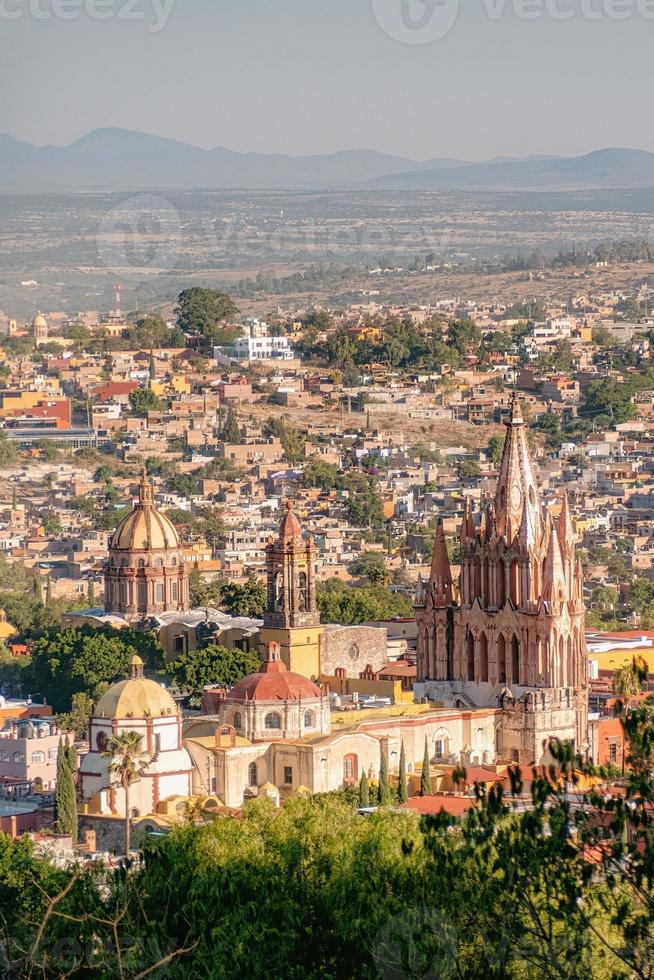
371	566
320	474
153	332
402	788
213	665
65	797
249	599
425	781
495	449
384	785
8	452
212	526
204	312
85	660
364	505
77	719
603	337
468	469
364	790
628	679
339	603
291	439
604	597
465	336
204	594
127	760
611	399
231	431
143	400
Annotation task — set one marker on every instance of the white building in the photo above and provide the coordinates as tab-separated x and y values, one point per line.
552	330
142	706
257	345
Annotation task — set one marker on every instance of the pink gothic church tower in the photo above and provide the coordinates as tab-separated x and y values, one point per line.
513	638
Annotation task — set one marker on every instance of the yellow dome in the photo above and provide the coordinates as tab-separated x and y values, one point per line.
136	697
39	321
145	529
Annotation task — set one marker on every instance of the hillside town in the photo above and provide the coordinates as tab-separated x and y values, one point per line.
281	511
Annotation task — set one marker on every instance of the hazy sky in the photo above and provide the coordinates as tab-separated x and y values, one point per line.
313	76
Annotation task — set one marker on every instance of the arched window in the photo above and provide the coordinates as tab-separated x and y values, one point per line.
501	584
350	768
514	582
483	658
38	757
101	741
237	722
173	591
141	563
279	591
501	659
158	563
515	660
142	594
273	721
470	650
252	774
309	719
174	562
304	592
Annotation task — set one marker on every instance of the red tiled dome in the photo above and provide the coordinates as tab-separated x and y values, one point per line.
279	685
274	682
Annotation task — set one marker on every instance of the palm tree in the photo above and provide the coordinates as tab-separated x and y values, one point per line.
127	758
628	679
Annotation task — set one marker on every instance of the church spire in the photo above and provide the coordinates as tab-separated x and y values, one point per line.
554	580
440	576
566	532
468	529
516	486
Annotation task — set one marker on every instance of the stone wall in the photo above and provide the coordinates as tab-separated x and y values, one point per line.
352	649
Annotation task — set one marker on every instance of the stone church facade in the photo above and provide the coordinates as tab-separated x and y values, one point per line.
513	636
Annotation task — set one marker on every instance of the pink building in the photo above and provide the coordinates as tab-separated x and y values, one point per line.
512	634
28	753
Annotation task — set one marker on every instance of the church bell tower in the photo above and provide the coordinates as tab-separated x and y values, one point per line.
292	619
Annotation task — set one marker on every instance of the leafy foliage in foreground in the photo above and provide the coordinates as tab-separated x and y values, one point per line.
562	888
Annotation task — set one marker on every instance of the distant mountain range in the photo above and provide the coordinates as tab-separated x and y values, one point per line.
119	159
602	169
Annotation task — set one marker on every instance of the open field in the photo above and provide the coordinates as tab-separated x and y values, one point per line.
76	247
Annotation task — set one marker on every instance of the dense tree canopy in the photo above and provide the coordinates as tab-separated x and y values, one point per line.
85	661
339	603
203	312
211	665
144	400
316	890
248	599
